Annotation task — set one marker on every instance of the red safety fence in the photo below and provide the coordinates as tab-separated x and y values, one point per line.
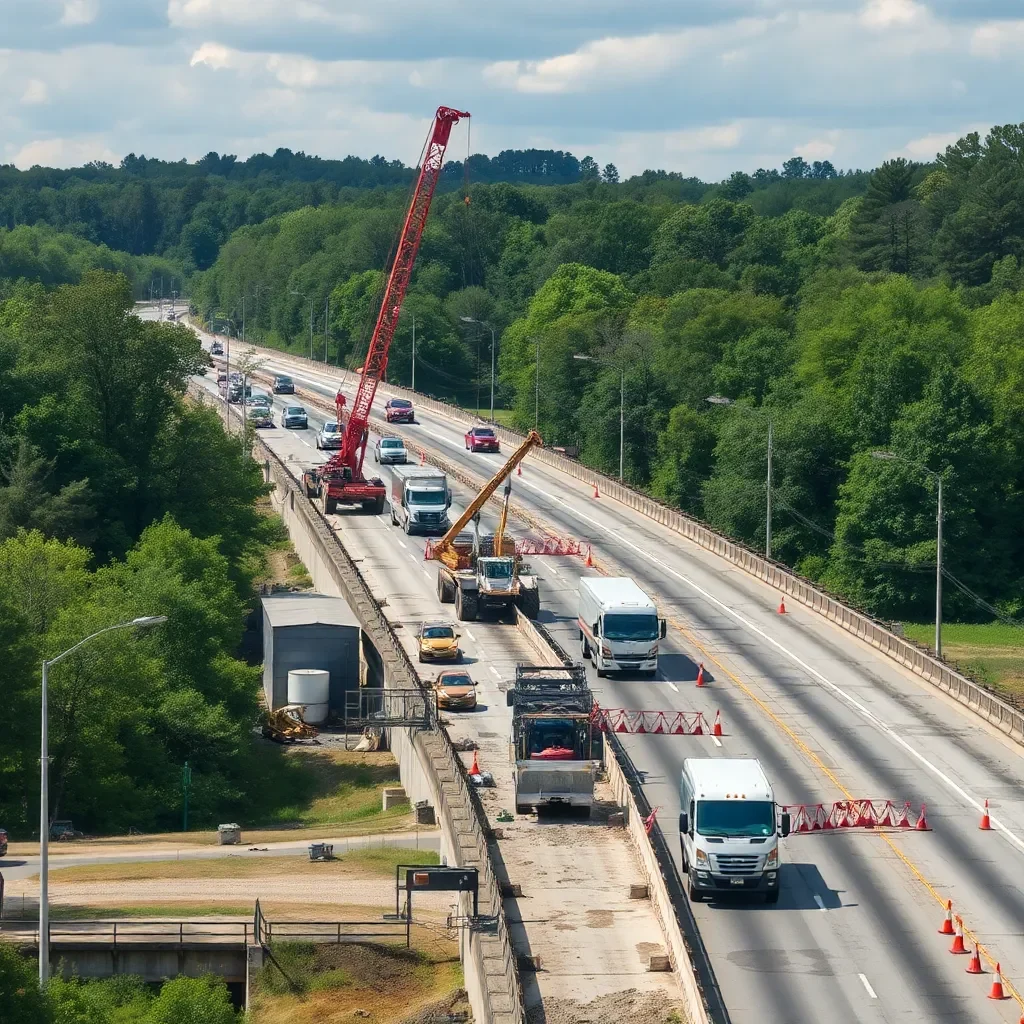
847	814
548	546
650	820
669	723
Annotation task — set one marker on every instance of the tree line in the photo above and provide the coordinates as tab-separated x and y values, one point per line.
859	312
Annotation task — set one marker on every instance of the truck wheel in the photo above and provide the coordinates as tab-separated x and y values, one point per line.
693	892
394	521
531	603
522	808
772	896
378	506
601	673
584	648
444	590
465	606
407	525
330	505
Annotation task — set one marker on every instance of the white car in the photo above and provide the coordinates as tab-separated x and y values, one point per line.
390	450
330	436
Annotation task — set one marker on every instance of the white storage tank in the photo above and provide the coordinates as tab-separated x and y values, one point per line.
310	687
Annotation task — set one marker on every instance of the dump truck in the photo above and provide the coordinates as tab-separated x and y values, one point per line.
555	745
485	574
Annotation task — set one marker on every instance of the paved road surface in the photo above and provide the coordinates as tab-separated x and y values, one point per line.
854	933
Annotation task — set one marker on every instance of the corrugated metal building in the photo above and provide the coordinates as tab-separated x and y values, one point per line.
309	631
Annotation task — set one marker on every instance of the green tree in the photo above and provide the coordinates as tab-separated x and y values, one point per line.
192	1001
20	997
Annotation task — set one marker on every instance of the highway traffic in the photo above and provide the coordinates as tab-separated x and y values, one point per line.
855	928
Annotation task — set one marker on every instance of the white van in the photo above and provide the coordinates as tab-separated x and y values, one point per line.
619	625
727	827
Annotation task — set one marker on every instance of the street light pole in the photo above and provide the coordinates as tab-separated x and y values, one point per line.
621	367
536	388
44	790
492	374
413	387
482	323
893	457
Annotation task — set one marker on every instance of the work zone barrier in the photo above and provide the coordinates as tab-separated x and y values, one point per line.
850	814
669	723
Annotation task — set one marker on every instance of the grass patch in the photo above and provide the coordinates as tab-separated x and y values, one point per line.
376	861
992	652
175	911
328	983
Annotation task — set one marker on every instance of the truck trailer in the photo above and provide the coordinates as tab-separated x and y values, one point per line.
619	625
420	498
555	746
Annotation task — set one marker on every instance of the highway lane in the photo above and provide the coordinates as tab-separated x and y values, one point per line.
542	855
877	729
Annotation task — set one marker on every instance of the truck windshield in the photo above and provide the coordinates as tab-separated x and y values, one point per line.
426	497
500	569
735	818
630	627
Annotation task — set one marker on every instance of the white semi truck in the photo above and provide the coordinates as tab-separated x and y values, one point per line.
619	625
419	499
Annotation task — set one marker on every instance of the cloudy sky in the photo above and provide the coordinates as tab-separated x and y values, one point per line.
699	86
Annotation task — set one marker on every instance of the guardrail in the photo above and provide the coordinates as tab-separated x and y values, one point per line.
114	933
461	806
704	1001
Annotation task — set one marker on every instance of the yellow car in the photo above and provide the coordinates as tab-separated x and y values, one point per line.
438	642
455	690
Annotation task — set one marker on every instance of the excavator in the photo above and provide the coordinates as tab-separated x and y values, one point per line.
340	480
480	574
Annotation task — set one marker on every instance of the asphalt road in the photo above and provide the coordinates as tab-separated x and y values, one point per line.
853	936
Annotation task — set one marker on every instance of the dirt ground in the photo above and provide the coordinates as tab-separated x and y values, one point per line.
633	1006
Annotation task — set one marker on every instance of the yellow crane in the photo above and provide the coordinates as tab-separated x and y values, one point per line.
475	582
444	549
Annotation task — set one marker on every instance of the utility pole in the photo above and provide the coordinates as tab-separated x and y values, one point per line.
938	575
622	416
768	522
186	785
492	374
413	385
311	328
327	327
243	318
536	389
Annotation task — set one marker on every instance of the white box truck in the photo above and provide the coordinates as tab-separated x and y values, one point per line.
619	625
419	499
727	827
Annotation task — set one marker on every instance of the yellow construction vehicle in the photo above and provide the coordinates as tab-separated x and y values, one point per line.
285	725
478	574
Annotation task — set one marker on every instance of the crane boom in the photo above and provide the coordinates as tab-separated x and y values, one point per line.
342	475
532	440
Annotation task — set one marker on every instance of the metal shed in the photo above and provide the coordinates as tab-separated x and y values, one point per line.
309	631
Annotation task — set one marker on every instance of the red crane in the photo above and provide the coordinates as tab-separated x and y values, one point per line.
341	480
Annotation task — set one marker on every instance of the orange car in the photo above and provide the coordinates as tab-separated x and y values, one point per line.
455	690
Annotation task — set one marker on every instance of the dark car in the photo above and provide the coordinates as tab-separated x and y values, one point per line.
399	410
293	416
482	439
284	385
216	349
3	842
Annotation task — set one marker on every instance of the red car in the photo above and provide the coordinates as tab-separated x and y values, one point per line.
481	439
399	410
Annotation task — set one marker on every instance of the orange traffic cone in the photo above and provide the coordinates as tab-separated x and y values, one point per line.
958	938
947	923
700	674
475	770
974	967
596	495
519	469
717	728
922	826
782	606
590	561
986	822
996	991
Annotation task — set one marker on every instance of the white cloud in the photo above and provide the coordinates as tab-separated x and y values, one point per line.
63	153
925	148
885	13
714	137
998	39
35	92
280	13
215	56
79	12
822	148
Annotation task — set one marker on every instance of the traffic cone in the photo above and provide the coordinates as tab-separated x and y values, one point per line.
986	822
958	938
519	469
700	675
590	561
596	495
475	770
996	991
717	728
782	606
947	924
974	967
922	825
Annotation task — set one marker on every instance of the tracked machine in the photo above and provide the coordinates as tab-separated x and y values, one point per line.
484	573
340	480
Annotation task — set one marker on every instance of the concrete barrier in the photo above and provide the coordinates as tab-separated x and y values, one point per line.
429	766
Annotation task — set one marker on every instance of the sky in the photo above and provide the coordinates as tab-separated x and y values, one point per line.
703	87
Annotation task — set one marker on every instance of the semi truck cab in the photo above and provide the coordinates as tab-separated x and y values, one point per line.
727	828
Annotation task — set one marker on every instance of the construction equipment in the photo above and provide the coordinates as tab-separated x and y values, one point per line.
340	480
480	573
285	725
555	745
